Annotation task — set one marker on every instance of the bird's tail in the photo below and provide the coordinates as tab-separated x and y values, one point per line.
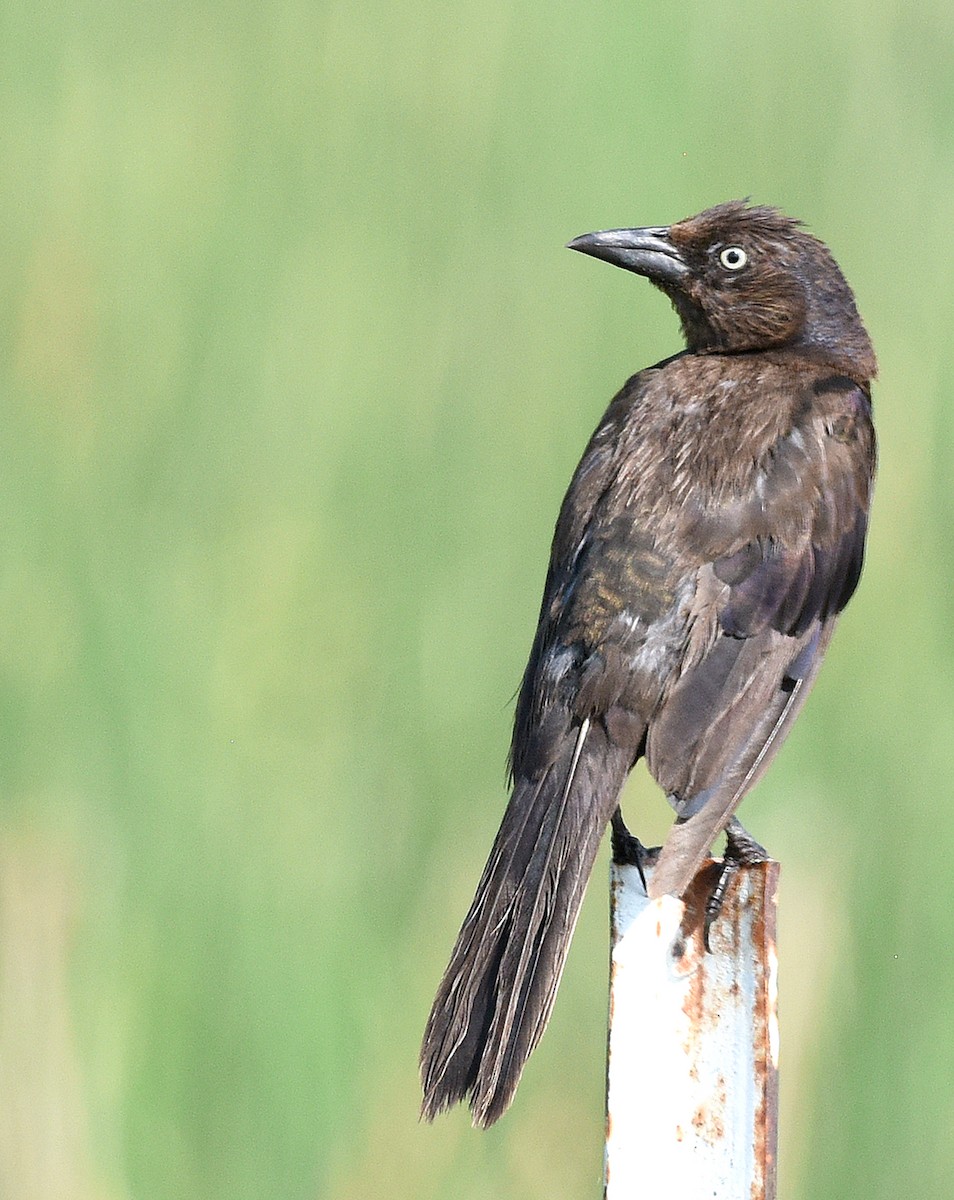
497	992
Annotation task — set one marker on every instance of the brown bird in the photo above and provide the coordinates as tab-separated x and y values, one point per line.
711	534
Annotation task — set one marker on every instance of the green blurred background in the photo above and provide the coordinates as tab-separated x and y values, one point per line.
295	372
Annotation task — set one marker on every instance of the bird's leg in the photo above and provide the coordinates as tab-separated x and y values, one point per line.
628	850
741	850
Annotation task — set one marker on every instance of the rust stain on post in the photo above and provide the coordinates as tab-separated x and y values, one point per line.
692	1080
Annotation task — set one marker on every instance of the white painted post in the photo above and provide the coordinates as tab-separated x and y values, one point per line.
692	1075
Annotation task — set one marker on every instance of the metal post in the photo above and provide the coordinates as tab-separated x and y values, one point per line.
692	1074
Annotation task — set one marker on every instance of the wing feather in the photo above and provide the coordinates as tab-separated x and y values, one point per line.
771	606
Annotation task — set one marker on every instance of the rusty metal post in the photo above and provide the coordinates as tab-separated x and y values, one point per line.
692	1075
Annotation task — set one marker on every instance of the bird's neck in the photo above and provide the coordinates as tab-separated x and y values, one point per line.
851	357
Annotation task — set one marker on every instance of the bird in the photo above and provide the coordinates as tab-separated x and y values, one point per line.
710	536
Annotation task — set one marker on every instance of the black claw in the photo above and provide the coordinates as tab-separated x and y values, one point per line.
730	868
628	850
741	850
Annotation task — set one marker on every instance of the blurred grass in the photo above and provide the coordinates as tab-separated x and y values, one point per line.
295	371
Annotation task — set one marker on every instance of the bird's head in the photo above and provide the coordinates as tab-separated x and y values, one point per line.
746	278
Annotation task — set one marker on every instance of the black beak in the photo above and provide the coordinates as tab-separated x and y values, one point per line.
648	252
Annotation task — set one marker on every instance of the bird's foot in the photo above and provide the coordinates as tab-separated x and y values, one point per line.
741	850
628	850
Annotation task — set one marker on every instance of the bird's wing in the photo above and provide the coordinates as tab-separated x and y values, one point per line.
762	617
551	676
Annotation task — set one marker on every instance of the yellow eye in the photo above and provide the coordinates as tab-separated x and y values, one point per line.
733	258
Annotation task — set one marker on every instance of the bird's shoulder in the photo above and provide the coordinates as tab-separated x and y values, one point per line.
758	467
709	430
786	549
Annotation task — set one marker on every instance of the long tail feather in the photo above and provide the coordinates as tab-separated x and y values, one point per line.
495	998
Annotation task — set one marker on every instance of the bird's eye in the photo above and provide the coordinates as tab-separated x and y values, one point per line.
733	258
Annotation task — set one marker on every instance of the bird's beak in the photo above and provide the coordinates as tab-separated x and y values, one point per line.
648	252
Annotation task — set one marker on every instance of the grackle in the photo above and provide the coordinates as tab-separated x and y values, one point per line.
711	535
